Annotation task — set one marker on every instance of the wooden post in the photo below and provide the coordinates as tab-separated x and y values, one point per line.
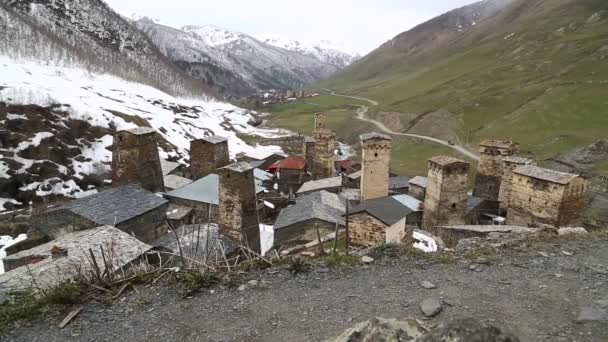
335	240
346	228
321	251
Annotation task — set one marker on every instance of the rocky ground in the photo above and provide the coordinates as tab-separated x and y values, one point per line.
538	295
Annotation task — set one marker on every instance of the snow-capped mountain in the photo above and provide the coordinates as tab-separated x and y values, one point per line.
323	50
57	125
232	62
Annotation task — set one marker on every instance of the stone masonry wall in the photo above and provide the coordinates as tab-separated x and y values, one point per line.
324	159
58	223
366	230
237	207
417	192
490	171
135	160
446	196
147	227
206	157
506	184
534	201
376	157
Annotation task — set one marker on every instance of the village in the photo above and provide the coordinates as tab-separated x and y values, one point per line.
284	205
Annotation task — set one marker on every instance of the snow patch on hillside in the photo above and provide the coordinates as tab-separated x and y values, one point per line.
110	102
323	50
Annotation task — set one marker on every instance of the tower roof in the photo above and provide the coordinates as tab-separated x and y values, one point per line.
499	144
239	167
374	135
447	161
545	174
214	139
139	130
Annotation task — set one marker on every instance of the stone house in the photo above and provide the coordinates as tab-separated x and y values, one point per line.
417	187
68	257
510	164
291	173
370	220
333	185
129	208
296	223
543	196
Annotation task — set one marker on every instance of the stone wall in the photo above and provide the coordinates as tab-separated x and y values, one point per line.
324	158
303	232
417	192
147	227
375	161
535	201
135	159
446	195
490	169
207	156
366	230
506	182
58	223
238	218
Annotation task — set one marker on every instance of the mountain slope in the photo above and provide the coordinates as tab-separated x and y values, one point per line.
57	126
96	37
529	70
234	63
323	50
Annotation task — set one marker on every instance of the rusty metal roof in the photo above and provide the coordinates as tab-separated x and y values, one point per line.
291	162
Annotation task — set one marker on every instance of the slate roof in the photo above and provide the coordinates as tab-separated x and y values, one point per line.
446	160
321	205
518	160
390	209
177	212
545	174
239	167
420	181
375	135
398	182
214	139
204	190
116	205
168	166
140	130
175	182
320	184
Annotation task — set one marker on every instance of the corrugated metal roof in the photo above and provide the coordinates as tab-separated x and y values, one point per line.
204	190
545	174
116	205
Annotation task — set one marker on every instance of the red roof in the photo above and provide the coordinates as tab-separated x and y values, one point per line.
291	162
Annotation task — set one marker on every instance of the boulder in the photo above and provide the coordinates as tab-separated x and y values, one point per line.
467	329
383	330
431	307
571	231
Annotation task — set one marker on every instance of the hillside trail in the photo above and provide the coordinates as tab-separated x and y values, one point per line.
362	111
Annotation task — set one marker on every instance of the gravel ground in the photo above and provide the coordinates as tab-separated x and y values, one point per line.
534	296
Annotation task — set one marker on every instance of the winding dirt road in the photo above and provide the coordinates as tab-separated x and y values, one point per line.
364	109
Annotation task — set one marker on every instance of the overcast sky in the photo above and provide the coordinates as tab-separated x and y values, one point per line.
357	25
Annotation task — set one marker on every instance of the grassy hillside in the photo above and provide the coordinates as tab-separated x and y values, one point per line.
535	71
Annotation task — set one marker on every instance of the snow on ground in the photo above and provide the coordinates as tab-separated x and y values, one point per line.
7	241
426	243
97	98
266	238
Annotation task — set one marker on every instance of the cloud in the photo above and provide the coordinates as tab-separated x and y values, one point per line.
358	25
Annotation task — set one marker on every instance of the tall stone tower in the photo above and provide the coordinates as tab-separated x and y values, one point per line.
375	163
308	151
324	158
135	159
490	169
207	155
445	202
238	218
319	121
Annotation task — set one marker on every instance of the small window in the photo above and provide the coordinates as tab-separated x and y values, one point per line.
376	154
453	205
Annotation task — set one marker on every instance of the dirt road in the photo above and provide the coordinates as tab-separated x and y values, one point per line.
362	111
537	297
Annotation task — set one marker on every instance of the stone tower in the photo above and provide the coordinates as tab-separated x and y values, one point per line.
510	163
375	163
135	159
445	201
207	155
324	158
319	121
308	151
490	169
238	218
